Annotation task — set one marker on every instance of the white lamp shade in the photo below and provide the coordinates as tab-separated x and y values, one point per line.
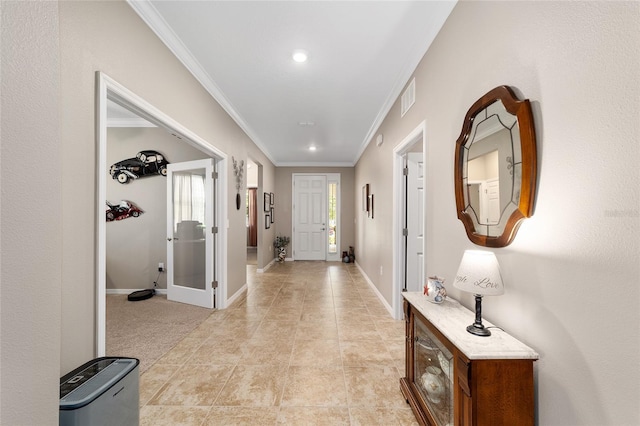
479	273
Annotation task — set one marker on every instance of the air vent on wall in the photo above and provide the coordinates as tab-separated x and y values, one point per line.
408	98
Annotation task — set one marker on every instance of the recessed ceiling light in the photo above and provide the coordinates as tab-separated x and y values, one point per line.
300	55
312	148
306	123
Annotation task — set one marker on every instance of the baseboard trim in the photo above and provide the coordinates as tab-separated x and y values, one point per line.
237	295
387	306
131	290
267	266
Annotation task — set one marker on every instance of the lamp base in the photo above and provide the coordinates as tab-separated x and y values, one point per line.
478	330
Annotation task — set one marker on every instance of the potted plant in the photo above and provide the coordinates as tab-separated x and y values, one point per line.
281	244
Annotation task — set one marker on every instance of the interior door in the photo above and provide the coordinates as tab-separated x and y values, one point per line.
492	191
415	222
310	223
190	233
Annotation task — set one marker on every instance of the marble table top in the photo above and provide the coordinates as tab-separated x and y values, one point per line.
452	319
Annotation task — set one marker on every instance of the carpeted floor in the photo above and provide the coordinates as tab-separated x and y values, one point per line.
149	328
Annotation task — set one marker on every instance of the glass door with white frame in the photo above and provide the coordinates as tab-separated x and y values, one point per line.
190	221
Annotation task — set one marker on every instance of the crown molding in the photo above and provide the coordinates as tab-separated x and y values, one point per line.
129	122
149	14
316	164
409	68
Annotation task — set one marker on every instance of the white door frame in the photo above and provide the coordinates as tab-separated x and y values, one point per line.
107	88
178	292
418	134
330	178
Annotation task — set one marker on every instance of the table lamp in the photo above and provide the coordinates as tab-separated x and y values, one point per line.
479	273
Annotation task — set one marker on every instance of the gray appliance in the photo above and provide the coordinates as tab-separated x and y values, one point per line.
104	391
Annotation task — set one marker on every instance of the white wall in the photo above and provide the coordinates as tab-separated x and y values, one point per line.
30	214
284	197
572	273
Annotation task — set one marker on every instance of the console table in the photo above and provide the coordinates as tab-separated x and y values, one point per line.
456	378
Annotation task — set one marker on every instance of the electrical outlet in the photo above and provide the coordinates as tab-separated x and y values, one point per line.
161	267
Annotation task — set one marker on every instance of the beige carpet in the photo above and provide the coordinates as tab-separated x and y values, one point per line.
149	328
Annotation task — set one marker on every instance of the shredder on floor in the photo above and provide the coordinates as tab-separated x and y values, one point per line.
101	392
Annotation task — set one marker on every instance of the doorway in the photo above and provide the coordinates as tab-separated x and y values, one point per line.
409	199
316	216
108	90
252	213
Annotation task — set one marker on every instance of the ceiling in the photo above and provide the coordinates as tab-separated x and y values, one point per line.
360	56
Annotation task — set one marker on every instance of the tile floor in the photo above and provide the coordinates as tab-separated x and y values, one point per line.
309	344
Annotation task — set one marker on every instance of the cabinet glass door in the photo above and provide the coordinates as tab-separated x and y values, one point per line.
433	370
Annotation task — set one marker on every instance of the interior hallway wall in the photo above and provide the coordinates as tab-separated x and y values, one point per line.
109	36
572	273
283	223
30	214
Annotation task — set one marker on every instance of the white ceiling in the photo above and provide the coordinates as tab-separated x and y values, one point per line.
361	54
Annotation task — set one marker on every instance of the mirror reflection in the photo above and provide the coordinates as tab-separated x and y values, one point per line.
496	146
491	157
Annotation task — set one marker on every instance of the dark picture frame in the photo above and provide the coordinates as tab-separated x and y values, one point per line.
365	197
271	214
267	221
267	202
273	198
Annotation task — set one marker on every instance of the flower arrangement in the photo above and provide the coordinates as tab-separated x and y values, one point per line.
281	242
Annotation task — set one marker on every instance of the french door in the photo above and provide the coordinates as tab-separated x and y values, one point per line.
190	233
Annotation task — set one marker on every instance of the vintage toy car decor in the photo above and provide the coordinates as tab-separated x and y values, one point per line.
145	163
122	210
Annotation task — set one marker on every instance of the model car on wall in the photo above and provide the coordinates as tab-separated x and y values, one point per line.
145	163
122	210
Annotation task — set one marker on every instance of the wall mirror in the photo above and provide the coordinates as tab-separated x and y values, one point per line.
496	168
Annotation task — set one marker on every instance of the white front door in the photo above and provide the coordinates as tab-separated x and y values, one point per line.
309	212
415	222
190	234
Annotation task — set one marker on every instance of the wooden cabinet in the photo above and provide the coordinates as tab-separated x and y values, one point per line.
456	378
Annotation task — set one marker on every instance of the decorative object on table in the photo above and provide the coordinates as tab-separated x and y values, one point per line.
434	290
238	170
145	163
479	273
267	202
445	364
281	244
122	210
267	221
433	383
352	255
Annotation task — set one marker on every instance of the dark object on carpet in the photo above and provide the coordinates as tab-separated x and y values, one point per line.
141	295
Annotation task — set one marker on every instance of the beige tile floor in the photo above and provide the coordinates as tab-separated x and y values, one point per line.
309	344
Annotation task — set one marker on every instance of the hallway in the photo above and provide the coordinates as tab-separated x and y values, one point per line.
309	344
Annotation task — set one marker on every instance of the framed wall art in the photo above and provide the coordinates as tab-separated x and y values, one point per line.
267	202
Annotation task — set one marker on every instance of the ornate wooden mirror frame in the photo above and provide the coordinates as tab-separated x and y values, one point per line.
500	127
